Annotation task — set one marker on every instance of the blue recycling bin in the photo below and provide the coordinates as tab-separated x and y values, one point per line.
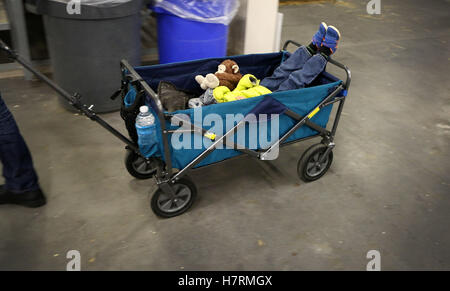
189	30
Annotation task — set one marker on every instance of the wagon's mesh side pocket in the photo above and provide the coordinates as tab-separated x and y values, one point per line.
131	101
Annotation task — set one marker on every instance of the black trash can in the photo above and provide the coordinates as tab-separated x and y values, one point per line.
86	48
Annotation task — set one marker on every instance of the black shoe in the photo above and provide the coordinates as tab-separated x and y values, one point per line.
32	199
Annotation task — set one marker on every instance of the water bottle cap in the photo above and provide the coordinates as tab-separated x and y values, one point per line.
143	109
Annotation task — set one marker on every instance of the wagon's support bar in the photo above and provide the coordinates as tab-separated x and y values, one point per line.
160	113
212	147
304	120
344	86
308	122
74	99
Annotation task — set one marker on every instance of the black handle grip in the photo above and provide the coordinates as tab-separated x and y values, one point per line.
4	47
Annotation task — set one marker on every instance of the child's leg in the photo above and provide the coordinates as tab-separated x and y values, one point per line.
293	63
300	78
315	65
296	60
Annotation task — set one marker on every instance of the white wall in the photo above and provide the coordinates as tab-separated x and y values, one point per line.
255	27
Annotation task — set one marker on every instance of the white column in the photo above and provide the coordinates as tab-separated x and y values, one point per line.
261	26
256	28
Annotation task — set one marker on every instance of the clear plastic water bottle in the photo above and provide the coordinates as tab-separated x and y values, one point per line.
145	117
146	128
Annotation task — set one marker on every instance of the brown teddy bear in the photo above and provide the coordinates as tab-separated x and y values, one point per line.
227	75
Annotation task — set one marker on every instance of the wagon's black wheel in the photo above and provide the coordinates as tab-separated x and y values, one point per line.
138	166
308	167
167	205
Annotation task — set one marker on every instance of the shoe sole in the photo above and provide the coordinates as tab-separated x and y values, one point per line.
35	203
337	41
30	204
339	33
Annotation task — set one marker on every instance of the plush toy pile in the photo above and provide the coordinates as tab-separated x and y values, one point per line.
226	85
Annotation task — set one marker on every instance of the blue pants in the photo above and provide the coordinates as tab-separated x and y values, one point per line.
14	154
299	70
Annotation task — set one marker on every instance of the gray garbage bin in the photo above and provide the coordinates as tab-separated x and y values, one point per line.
86	48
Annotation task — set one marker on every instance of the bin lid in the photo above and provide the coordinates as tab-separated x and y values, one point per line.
208	11
88	9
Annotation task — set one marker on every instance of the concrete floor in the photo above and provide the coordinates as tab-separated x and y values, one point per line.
388	188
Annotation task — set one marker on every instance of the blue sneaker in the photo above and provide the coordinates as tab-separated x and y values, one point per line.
320	35
331	39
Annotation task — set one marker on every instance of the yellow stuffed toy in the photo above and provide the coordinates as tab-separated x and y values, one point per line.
247	87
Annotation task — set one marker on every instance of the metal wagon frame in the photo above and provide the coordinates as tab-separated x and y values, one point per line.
176	193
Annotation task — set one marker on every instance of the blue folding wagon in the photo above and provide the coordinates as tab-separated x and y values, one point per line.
299	114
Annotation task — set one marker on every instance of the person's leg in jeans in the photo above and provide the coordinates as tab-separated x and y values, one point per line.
295	61
21	182
315	65
300	78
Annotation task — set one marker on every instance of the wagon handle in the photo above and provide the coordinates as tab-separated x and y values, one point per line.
4	47
330	60
74	99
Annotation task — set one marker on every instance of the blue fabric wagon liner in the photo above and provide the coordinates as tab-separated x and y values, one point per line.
301	101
